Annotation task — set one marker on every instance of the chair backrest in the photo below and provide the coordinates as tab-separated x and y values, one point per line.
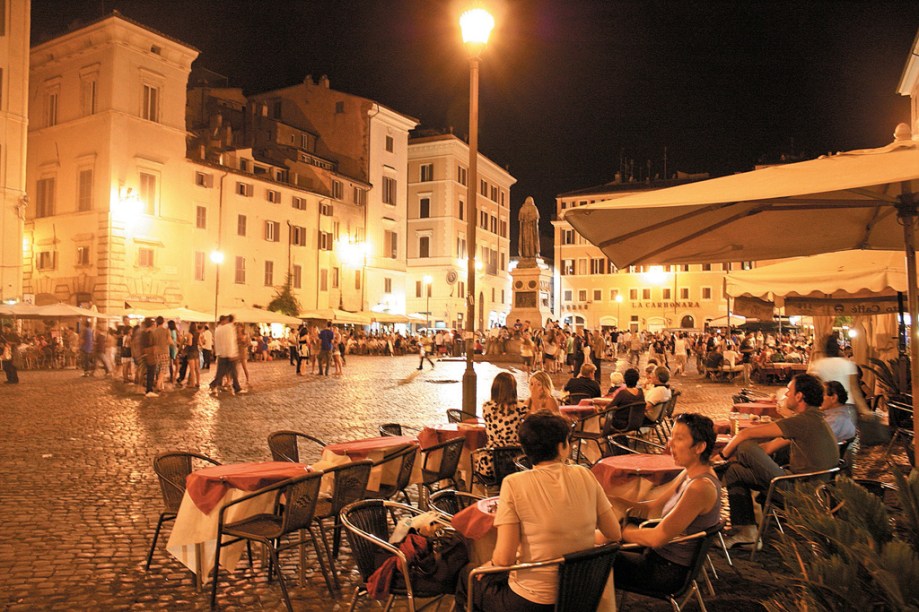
657	411
405	456
350	483
172	469
450	502
575	398
299	497
454	415
367	525
705	541
285	446
582	577
451	452
390	429
523	463
503	460
671	405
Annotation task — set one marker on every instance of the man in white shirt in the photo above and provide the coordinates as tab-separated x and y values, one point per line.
227	351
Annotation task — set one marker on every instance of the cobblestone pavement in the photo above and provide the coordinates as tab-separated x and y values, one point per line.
80	499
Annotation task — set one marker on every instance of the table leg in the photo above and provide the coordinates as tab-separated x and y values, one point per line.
199	570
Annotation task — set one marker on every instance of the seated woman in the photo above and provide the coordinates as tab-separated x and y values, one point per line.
616	384
541	394
549	511
629	394
691	503
502	415
839	415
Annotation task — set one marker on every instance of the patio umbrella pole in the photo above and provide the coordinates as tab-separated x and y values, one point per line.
906	211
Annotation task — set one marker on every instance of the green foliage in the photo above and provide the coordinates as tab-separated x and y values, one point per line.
846	551
284	301
893	375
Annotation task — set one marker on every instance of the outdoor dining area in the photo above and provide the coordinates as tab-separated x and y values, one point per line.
335	505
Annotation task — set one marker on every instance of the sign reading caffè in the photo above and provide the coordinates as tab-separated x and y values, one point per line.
665	304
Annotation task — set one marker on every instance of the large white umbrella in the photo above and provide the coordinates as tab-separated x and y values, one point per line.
248	314
336	315
853	200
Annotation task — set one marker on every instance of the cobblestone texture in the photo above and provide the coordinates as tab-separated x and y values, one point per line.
80	499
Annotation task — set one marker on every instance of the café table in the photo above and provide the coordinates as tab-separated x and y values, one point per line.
476	524
474	433
374	449
764	408
633	476
194	535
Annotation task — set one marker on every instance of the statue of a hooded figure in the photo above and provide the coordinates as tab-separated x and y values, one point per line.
528	238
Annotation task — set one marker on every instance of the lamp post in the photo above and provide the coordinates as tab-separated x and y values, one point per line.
427	280
476	25
217	258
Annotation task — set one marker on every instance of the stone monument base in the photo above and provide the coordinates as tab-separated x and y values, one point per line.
531	282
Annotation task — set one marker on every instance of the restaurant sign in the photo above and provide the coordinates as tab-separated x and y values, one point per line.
848	307
754	308
665	304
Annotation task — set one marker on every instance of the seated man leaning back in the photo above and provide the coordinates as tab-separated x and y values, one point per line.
812	448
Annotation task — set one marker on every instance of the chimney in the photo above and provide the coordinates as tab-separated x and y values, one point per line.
324	81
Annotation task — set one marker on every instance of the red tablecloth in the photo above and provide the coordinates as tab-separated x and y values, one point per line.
207	486
577	411
435	434
360	449
619	469
476	520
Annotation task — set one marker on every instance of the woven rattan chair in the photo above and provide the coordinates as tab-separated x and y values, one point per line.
449	502
582	577
689	587
581	437
172	469
293	511
405	459
503	464
773	500
454	415
450	453
350	485
285	445
390	429
367	524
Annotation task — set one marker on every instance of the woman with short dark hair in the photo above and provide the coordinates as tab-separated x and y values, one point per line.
549	511
689	504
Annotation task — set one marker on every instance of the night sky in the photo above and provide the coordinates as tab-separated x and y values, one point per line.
570	88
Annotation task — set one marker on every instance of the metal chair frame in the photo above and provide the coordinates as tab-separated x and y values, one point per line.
406	457
285	445
570	584
365	542
773	493
690	586
454	415
449	501
289	515
349	485
172	486
451	452
503	461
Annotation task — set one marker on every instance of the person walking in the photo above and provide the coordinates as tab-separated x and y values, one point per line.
300	346
424	349
86	349
227	350
149	358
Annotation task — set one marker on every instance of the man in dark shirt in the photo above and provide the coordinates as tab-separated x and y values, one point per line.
583	386
326	337
813	448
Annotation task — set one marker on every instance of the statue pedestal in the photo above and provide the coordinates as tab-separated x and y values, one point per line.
531	281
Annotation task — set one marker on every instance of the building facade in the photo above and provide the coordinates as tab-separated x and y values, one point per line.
436	234
591	292
14	121
155	184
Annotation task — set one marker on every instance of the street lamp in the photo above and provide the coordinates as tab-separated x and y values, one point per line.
427	280
217	258
476	25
